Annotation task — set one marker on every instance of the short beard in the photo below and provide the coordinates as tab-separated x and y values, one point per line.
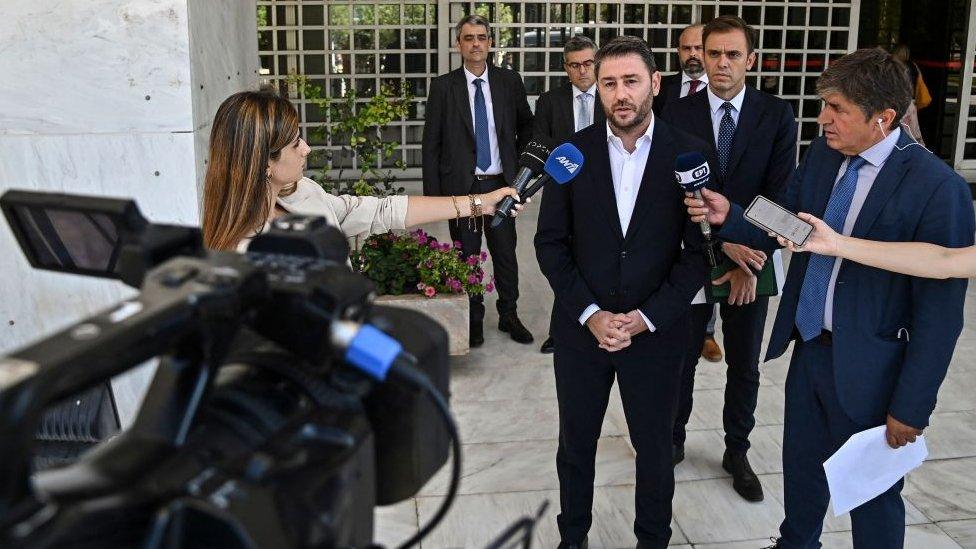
642	113
693	72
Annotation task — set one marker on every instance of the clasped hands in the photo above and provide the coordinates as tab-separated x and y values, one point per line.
613	331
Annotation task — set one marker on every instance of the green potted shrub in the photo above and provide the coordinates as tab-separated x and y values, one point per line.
415	271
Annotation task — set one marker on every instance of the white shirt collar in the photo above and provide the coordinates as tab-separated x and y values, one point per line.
577	92
878	153
715	102
685	78
470	77
611	138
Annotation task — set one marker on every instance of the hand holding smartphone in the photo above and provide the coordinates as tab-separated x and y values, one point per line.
773	218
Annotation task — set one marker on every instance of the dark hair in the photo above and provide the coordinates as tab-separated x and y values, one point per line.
729	23
578	43
626	45
473	19
872	79
250	129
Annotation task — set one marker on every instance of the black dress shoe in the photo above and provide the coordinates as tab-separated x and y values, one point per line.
547	347
582	545
509	322
677	453
476	337
744	481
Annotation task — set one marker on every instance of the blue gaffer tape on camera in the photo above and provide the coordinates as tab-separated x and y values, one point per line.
373	352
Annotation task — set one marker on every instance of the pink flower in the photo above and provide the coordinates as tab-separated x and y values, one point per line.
421	238
433	244
429	291
472	279
421	286
490	287
480	275
446	247
472	260
429	264
484	255
457	244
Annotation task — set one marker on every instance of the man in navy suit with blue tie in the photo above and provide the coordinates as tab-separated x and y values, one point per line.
872	347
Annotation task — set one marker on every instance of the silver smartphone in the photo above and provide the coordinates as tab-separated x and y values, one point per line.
771	217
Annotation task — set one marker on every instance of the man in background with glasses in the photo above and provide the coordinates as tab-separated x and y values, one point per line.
561	112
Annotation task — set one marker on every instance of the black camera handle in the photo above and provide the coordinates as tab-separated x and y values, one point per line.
189	308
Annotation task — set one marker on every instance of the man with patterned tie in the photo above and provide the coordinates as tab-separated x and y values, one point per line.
692	78
753	151
477	122
872	347
561	112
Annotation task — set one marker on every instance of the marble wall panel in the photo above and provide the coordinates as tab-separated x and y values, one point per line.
118	165
95	66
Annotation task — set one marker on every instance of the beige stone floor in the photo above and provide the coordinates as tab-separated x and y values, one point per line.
503	396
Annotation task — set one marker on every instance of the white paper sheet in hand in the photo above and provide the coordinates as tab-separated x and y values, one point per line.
865	467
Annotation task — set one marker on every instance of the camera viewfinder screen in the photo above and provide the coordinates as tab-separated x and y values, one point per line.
69	240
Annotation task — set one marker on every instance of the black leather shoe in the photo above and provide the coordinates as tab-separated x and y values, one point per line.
744	481
677	453
509	322
547	347
477	335
582	545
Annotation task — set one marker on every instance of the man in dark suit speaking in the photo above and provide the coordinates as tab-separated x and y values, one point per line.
477	122
561	112
752	138
692	77
871	347
610	244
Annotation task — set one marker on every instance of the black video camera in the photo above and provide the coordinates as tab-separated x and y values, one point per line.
284	407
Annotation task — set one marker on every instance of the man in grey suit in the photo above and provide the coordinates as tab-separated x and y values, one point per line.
561	112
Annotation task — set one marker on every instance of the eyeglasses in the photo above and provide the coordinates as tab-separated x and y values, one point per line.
577	66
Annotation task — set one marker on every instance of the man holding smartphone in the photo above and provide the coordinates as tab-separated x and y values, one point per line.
872	347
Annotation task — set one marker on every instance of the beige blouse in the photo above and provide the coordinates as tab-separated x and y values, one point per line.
354	215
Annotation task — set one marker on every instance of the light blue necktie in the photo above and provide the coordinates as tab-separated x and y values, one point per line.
726	130
583	111
483	145
813	293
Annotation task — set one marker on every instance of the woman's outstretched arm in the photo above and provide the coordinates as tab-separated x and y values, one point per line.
911	258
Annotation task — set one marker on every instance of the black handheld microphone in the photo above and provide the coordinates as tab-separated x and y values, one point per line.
531	163
561	166
692	173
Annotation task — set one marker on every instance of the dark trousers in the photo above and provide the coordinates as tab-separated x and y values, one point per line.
815	427
501	246
742	330
648	389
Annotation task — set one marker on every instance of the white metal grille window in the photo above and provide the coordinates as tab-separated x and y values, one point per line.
341	43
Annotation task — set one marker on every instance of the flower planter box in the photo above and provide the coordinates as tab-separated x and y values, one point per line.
449	310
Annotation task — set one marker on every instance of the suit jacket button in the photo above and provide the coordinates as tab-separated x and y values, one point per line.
623	254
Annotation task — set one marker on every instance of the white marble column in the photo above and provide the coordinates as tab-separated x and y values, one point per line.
109	97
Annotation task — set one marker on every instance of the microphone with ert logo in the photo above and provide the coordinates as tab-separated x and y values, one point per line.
692	173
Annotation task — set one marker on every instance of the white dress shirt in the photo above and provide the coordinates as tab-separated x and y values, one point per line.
496	157
686	83
715	104
576	93
876	157
627	171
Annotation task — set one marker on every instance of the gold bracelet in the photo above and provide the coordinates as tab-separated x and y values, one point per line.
456	208
479	212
